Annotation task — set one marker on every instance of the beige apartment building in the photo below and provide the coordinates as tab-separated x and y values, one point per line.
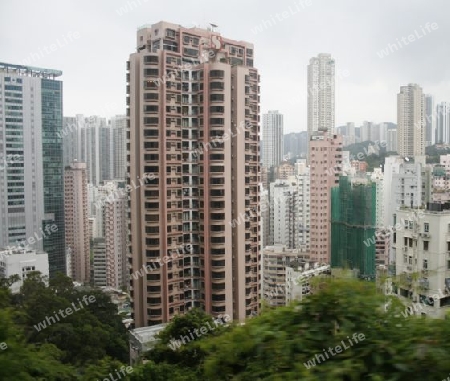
411	121
325	168
115	234
77	221
193	122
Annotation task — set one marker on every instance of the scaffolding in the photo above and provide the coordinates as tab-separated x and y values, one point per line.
353	226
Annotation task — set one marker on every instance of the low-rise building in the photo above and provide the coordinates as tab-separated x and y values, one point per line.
21	262
422	249
142	340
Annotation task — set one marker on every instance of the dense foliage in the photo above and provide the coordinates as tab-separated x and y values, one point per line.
69	348
281	344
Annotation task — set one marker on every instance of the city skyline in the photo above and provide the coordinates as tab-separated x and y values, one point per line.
360	83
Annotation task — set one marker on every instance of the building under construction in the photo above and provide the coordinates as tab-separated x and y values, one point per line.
353	225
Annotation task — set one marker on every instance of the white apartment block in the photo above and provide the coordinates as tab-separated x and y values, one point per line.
273	139
281	196
265	216
109	202
423	248
21	262
298	277
377	177
275	261
408	188
441	180
289	212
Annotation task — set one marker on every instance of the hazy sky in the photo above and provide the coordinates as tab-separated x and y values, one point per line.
90	41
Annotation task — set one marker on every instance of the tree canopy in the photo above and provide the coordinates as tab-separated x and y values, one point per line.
341	332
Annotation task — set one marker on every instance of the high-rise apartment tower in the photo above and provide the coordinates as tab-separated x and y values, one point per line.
193	123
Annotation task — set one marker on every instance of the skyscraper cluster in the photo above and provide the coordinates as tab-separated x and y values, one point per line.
219	219
99	143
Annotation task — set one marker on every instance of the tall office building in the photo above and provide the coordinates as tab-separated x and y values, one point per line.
325	168
273	139
321	94
430	133
31	175
443	123
77	221
411	121
194	124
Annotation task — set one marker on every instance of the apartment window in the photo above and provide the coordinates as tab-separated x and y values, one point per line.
406	224
426	227
151	59
170	33
153	289
191	52
220	109
219	286
216	156
152	229
217	73
405	258
425	245
217	86
151	108
217	121
151	72
152	241
448	265
425	264
151	120
216	168
217	251
410	260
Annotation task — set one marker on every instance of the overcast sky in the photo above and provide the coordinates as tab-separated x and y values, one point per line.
93	39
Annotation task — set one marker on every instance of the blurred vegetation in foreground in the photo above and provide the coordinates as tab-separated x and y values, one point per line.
273	346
